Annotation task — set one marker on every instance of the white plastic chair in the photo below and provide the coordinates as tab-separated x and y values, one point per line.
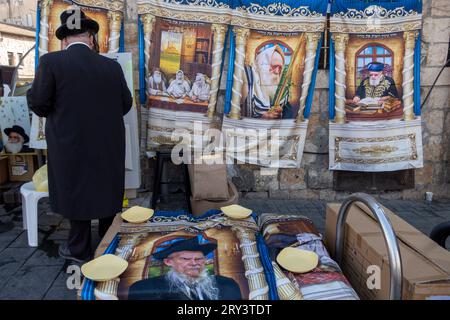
30	199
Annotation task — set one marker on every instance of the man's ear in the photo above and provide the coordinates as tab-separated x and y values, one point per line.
168	262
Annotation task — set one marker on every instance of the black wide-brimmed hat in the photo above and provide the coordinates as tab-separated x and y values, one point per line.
191	244
375	66
19	130
85	24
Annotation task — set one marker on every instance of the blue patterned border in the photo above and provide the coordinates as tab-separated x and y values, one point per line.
142	94
312	85
122	38
38	30
417	75
87	292
396	7
228	91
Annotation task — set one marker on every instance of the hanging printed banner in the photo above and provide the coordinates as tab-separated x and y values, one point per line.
375	120
109	16
273	59
182	42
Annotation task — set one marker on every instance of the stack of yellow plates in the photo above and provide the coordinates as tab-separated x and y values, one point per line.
236	211
104	268
137	214
297	260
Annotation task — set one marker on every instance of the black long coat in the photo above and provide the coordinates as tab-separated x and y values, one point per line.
158	288
84	97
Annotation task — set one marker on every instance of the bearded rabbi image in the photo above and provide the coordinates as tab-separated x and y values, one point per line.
268	81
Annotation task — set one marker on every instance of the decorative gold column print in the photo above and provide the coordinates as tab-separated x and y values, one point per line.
254	271
149	21
43	49
285	288
241	40
312	39
408	75
115	23
340	42
219	38
107	290
43	33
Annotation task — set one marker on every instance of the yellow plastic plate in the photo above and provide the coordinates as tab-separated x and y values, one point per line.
297	260
104	268
236	211
137	214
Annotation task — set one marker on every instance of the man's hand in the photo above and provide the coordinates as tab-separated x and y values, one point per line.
356	99
271	115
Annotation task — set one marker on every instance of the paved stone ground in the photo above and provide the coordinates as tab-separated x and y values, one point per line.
38	273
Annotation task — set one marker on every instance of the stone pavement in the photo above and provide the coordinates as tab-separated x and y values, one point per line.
38	273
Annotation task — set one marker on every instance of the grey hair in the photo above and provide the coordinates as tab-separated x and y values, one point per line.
205	282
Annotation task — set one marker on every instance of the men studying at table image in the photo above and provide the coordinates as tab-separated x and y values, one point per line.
188	278
377	87
157	84
200	89
179	87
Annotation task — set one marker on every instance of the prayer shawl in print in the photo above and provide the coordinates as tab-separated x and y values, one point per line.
375	122
325	282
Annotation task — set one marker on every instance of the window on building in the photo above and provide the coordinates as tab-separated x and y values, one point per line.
448	55
325	49
354	181
11	61
29	20
19	57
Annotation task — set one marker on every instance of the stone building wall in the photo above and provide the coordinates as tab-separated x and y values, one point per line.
19	12
17	40
313	180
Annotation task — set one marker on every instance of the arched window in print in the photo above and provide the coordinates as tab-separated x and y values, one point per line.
369	53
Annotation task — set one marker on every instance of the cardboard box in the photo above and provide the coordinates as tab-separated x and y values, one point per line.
208	182
199	207
425	265
4	172
22	167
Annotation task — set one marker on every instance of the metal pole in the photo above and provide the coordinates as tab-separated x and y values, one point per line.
16	71
395	263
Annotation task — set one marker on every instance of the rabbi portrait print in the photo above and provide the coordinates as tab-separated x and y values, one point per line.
187	277
374	78
273	74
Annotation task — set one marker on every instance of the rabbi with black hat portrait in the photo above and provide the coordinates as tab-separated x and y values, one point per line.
81	92
188	278
17	138
377	85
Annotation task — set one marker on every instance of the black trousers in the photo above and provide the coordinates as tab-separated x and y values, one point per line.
79	242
